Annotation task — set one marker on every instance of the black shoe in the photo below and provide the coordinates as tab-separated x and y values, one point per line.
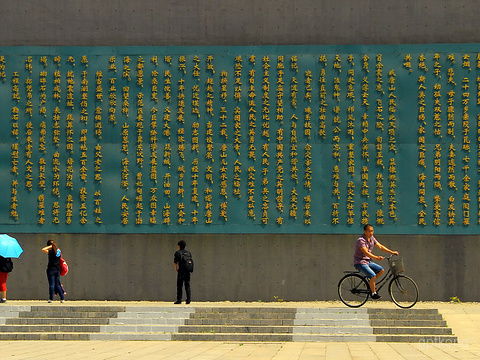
187	302
3	301
177	302
376	296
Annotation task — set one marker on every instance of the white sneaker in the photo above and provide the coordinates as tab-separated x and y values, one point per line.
50	301
62	301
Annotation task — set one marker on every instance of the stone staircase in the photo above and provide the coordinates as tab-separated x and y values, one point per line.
90	322
238	324
243	324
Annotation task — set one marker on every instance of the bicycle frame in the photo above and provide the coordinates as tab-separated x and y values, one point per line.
384	280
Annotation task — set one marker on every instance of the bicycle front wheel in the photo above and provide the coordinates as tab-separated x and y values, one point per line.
403	291
353	290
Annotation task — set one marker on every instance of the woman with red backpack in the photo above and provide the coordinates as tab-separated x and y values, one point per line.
53	270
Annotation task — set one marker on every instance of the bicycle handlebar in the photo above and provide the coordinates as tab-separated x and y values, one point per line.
388	257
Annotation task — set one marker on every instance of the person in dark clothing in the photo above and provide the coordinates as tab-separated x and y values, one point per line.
6	266
53	270
183	273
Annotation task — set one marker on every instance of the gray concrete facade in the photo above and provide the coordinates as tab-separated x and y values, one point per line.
230	23
229	267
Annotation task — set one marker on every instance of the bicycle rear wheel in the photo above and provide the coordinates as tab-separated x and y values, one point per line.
353	290
403	291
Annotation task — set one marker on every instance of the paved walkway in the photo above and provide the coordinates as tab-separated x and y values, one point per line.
463	318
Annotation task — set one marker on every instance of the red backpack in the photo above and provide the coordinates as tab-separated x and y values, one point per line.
63	267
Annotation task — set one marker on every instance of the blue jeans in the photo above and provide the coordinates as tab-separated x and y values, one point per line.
370	270
53	276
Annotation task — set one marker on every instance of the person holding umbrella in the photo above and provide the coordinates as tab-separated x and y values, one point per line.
6	266
9	248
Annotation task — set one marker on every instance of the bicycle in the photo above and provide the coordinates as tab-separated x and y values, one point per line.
354	289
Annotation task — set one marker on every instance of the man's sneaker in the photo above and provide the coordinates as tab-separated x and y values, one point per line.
376	296
177	302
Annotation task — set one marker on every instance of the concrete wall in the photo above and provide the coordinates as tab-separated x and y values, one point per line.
232	22
236	267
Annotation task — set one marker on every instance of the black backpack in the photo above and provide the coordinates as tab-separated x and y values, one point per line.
186	261
6	265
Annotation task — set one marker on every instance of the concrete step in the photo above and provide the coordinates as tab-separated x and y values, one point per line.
375	338
86	336
146	321
334	317
57	321
332	322
410	330
88	328
156	313
241	337
245	322
400	311
333	330
414	323
143	328
265	316
421	316
404	314
433	339
67	314
74	308
243	315
215	329
130	337
264	337
44	336
246	310
49	328
334	337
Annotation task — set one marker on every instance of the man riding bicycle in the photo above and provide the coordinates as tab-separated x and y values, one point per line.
362	258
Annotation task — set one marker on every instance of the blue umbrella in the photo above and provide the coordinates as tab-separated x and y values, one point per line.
9	247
